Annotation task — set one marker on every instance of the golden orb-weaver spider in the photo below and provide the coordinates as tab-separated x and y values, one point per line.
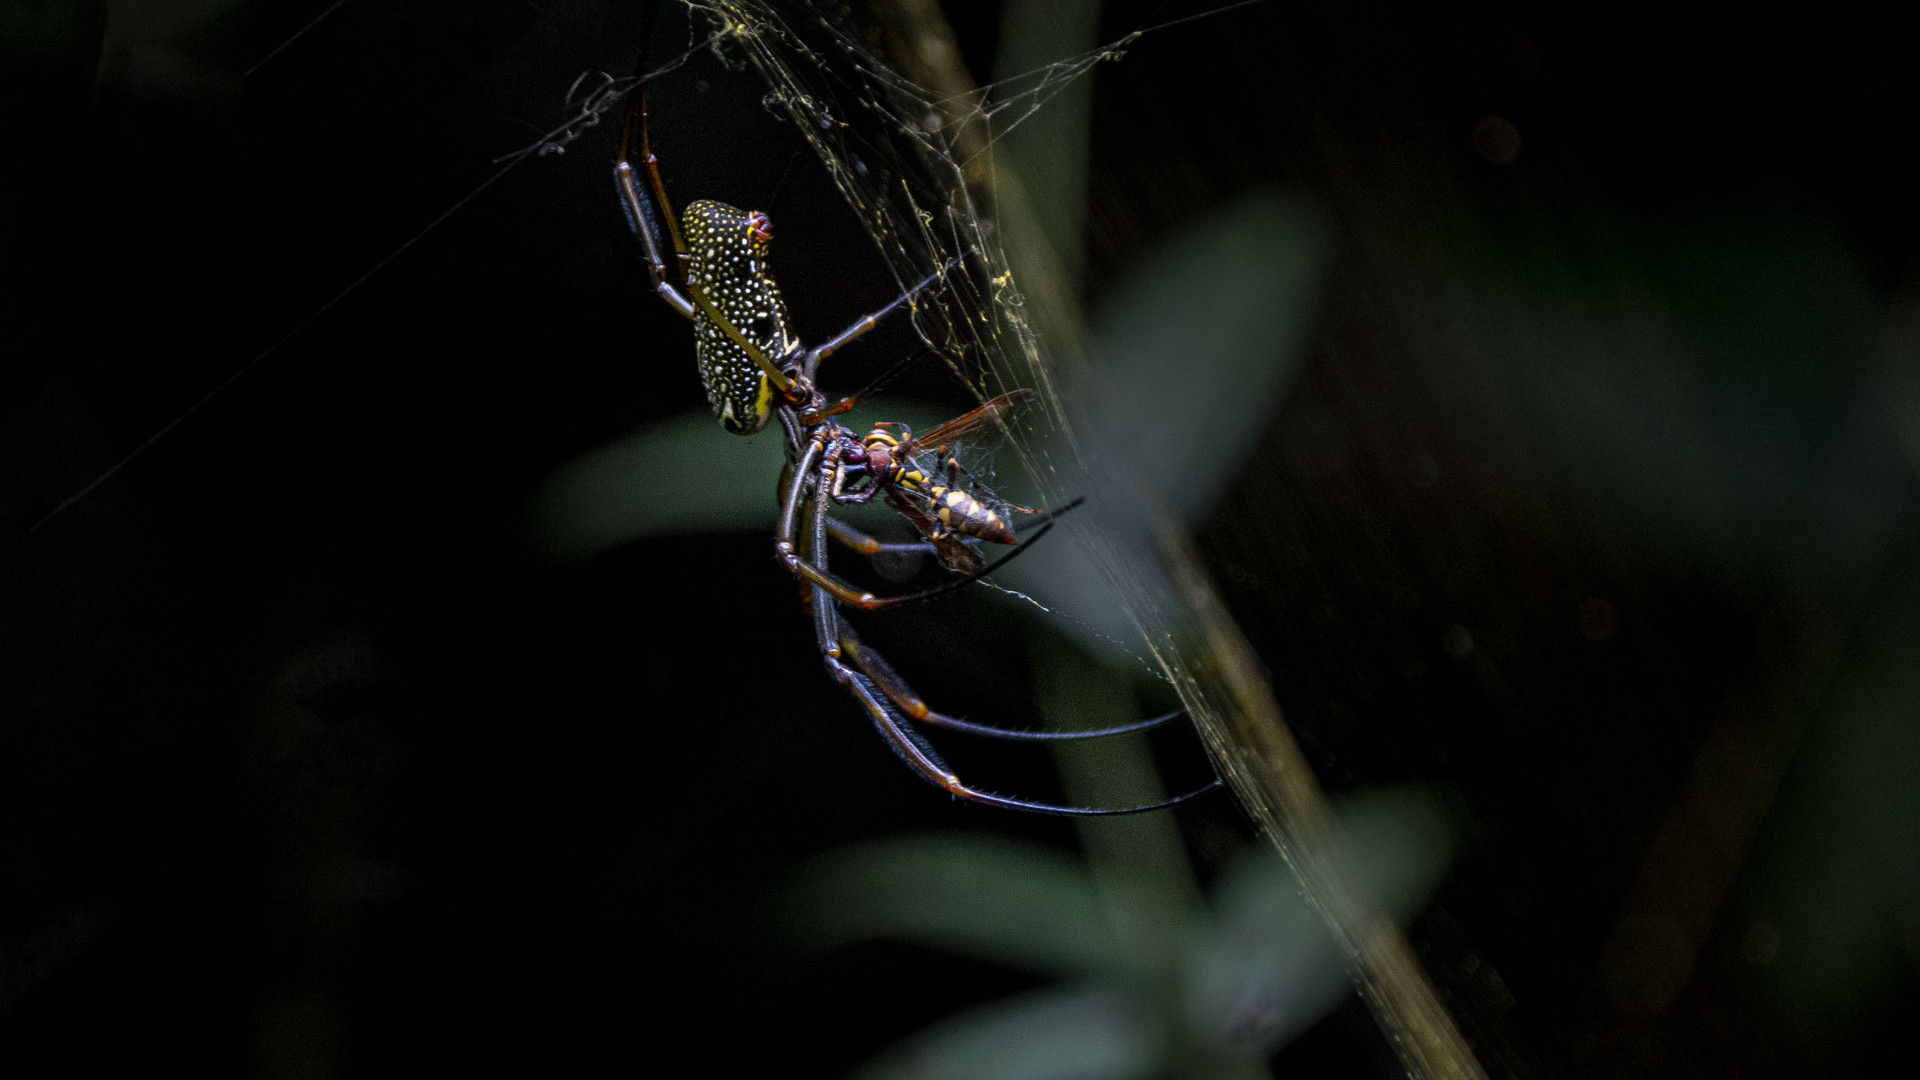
755	368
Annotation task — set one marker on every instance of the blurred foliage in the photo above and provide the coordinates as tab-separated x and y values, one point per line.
1700	379
1727	395
1150	986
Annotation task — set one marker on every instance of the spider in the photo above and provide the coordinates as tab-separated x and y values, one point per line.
756	369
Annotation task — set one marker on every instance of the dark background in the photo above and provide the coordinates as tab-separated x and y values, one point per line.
308	754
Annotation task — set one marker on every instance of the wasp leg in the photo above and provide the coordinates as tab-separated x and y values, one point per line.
876	603
1047	517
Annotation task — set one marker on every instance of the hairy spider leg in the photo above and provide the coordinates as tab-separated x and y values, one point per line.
854	540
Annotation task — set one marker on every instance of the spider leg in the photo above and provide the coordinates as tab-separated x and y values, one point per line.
803	475
782	381
868	322
908	744
889	682
836	642
639	207
846	593
874	603
849	537
635	201
640	218
814	416
853	539
921	758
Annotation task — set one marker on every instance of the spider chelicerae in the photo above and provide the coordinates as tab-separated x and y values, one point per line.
756	369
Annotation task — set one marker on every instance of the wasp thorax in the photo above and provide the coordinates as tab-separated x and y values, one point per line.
880	446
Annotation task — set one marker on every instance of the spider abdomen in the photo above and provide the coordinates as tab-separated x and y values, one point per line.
727	248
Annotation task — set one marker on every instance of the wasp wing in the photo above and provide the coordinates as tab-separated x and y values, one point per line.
960	428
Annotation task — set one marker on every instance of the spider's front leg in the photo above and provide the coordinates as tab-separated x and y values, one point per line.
809	475
640	208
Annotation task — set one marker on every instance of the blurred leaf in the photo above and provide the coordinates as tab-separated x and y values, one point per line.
683	475
1834	917
1260	969
1270	967
1704	383
1064	1034
1197	343
1194	349
981	896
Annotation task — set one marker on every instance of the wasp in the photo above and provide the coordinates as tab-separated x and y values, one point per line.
945	515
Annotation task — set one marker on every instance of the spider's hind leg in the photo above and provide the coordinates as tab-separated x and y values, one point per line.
868	674
903	697
920	756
